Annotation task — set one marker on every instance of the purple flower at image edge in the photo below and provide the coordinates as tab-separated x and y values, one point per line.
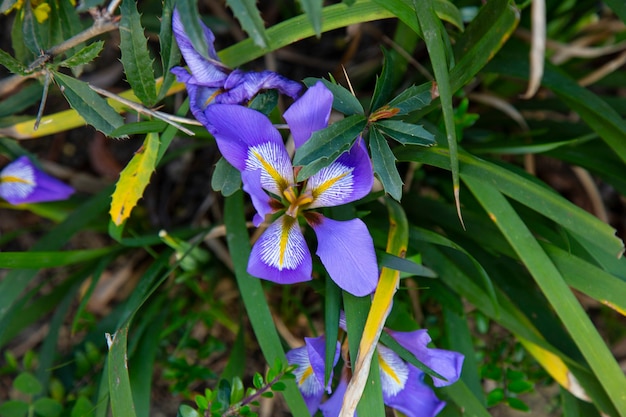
210	81
310	361
21	182
248	141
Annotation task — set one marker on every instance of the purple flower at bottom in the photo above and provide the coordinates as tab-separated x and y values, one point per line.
210	81
309	374
21	182
248	140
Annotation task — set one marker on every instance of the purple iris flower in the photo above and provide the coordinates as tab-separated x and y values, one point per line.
309	374
403	384
21	182
249	141
210	81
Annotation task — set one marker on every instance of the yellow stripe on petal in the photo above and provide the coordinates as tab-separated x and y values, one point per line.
9	178
282	246
394	372
305	375
331	185
275	166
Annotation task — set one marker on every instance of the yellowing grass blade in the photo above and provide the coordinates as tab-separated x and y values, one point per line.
134	179
556	368
381	305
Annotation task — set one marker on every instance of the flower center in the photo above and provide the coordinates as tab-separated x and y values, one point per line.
296	199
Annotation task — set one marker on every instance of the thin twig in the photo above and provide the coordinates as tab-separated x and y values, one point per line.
167	118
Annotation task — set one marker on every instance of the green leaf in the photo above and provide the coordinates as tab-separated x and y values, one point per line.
405	265
136	128
517	404
226	178
223	393
134	179
265	102
384	83
89	105
14	408
553	286
135	56
31	30
250	19
187	411
24	260
84	56
82	408
170	54
343	100
279	386
332	304
495	397
258	381
26	383
237	391
188	11
447	11
236	364
12	64
405	133
384	162
313	11
327	144
119	382
47	407
520	386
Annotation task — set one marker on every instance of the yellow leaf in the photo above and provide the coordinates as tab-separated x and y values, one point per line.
134	179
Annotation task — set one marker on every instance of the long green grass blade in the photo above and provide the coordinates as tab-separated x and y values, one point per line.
120	391
24	260
555	289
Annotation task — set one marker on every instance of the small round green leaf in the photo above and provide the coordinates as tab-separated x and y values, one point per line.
27	384
187	411
47	407
13	408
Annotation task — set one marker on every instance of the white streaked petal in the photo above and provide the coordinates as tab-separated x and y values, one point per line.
283	245
17	180
331	186
305	377
273	161
394	372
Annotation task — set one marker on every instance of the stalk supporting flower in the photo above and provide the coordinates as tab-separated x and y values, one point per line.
210	81
310	359
249	141
21	182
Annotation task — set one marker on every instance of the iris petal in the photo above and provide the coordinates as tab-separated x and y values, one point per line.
237	128
393	371
332	406
241	86
260	200
273	161
281	254
447	363
21	182
309	113
347	179
347	251
208	73
199	96
416	399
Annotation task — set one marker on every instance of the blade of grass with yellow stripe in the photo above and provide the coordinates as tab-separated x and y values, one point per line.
381	306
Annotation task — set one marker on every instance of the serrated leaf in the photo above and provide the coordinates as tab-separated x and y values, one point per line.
226	178
343	100
27	383
406	133
12	64
84	56
135	56
382	89
250	19
412	99
384	162
188	12
313	11
89	105
327	144
134	179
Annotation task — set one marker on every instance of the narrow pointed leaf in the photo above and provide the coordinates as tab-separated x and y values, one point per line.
406	133
412	99
134	179
170	54
188	10
89	105
250	19
12	64
84	56
313	11
119	382
327	144
384	162
384	83
343	100
135	56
